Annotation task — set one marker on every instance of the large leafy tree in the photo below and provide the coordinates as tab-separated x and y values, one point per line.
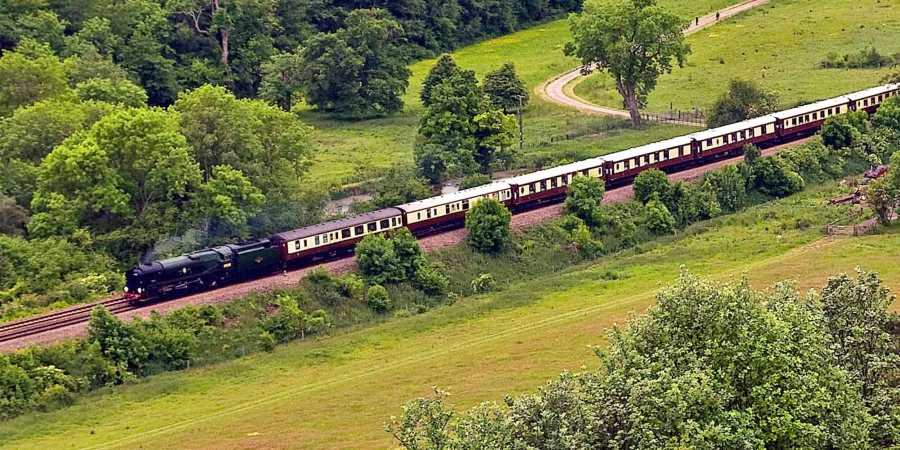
30	73
443	69
583	199
505	89
635	41
888	114
282	79
359	71
743	100
127	181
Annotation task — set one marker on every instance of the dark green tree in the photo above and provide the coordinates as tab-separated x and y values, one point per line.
359	71
583	199
635	41
400	185
282	79
649	183
773	177
443	69
743	100
505	89
729	187
659	220
488	225
888	114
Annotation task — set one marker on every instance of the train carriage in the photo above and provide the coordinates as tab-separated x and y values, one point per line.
444	211
336	236
730	139
625	165
807	119
868	100
551	184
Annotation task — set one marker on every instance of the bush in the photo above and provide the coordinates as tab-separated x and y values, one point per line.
484	282
431	281
888	114
474	180
650	182
867	58
584	240
743	100
400	185
287	324
488	225
729	187
377	260
378	299
773	177
583	199
659	219
840	131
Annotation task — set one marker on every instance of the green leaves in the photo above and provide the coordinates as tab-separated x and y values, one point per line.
488	225
583	199
505	90
743	100
29	74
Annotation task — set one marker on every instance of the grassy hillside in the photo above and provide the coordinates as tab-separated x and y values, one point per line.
779	45
537	54
337	393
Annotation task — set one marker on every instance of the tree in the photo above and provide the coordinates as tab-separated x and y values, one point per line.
128	181
228	201
678	377
495	134
743	100
118	92
837	132
488	225
282	79
446	130
888	114
443	69
359	71
857	319
729	186
649	183
400	185
772	177
474	180
505	90
883	195
118	342
659	219
29	74
635	41
583	199
378	260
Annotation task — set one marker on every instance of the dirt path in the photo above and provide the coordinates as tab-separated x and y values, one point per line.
559	89
431	243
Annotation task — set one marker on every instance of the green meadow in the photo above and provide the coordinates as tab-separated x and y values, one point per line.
779	45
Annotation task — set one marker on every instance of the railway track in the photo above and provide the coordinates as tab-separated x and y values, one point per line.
58	319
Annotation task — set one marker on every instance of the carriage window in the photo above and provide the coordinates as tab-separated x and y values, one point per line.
553	182
385	224
317	240
543	185
522	190
345	233
304	242
447	209
465	204
419	215
709	142
533	187
358	230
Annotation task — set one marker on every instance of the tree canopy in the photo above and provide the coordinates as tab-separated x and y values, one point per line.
635	41
488	225
743	100
505	89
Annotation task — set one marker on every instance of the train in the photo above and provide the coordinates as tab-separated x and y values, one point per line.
217	266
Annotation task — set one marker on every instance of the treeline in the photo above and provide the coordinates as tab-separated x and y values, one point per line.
168	47
89	174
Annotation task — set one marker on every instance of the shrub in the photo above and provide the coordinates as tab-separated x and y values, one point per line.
650	182
840	131
378	299
583	199
773	177
431	281
743	100
584	240
474	180
288	322
659	219
377	260
888	114
484	282
488	225
729	187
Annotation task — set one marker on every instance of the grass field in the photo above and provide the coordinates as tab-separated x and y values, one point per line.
337	393
779	45
345	147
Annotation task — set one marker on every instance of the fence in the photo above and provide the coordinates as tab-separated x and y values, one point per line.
860	229
696	117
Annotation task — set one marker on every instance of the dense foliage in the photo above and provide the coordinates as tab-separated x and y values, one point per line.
743	100
167	47
463	131
709	366
634	41
488	225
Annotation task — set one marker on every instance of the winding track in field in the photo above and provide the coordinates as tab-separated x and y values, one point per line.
560	89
